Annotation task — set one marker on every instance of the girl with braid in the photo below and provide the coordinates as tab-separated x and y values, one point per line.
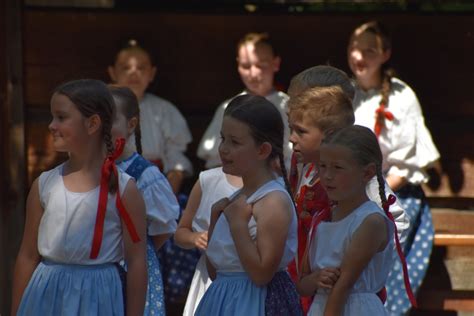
252	234
82	218
354	234
391	109
162	208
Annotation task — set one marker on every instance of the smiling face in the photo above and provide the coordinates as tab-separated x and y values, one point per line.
257	67
237	148
306	138
68	126
133	69
341	175
366	55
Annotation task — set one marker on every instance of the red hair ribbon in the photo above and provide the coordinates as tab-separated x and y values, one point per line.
107	168
386	205
380	116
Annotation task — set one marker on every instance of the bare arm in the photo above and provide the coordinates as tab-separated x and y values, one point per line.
370	238
184	236
135	253
396	182
309	282
175	178
273	216
28	256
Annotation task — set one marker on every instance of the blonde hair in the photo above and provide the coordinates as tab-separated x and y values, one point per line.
328	108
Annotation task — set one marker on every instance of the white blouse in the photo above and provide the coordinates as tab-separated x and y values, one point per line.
209	144
162	208
221	249
165	134
406	143
214	186
67	226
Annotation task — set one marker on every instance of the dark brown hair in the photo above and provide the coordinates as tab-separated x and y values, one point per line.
127	103
257	39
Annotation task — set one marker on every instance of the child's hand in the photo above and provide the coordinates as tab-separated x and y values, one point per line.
200	240
238	210
327	277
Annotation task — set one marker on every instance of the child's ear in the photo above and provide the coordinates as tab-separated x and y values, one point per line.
132	125
276	63
370	171
93	124
153	73
264	150
386	55
111	71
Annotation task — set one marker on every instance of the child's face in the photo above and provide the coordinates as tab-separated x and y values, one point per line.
257	66
237	148
68	126
121	127
366	56
133	69
341	175
306	138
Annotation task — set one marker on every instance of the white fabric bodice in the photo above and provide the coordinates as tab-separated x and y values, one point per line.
332	239
406	143
214	186
221	249
162	208
165	134
209	144
67	226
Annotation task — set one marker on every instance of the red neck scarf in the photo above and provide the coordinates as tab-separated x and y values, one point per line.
380	116
107	168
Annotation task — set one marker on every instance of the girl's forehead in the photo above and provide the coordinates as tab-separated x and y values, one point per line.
234	127
127	55
366	40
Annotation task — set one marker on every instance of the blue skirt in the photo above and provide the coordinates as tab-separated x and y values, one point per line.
233	294
155	301
70	290
417	249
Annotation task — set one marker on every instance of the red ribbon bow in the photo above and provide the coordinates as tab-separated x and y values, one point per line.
107	168
380	116
386	205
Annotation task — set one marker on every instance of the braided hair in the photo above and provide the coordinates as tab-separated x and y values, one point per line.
93	97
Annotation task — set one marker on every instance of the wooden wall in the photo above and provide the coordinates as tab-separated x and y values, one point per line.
195	56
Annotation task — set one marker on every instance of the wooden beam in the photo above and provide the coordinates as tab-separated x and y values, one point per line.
12	182
453	240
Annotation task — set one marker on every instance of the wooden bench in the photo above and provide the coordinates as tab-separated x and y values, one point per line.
449	283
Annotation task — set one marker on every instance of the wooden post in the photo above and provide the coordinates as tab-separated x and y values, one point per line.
12	139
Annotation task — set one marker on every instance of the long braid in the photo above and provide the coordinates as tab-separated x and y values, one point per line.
138	136
381	181
285	177
107	124
387	75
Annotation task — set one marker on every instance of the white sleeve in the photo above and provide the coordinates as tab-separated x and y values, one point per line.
162	208
177	137
208	148
402	221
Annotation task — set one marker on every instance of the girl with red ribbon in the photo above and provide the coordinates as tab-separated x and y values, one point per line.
391	109
350	250
82	218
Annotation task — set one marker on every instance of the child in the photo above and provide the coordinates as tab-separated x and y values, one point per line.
162	209
389	107
313	113
212	185
354	248
252	235
257	64
75	223
165	131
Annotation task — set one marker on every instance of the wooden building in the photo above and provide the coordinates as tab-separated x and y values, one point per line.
195	56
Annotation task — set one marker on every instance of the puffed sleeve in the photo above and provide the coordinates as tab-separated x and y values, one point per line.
177	137
162	208
209	145
415	149
402	221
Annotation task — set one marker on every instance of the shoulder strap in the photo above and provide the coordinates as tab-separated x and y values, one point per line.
137	167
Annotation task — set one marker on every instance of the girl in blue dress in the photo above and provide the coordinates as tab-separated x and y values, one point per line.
82	218
162	209
252	234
